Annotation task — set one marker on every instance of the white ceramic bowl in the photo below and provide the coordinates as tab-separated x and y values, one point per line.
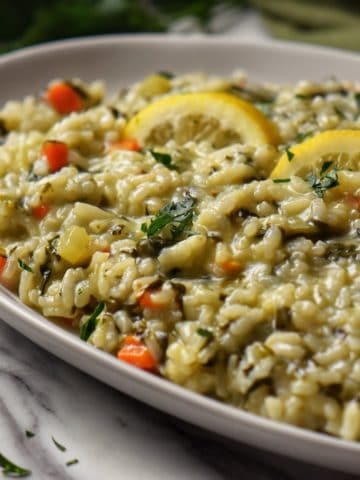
120	60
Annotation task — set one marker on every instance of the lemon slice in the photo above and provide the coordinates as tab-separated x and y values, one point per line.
342	147
218	117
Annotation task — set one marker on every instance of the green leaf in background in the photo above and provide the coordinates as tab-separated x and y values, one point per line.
328	22
44	20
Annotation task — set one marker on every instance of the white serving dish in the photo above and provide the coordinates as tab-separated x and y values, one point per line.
120	60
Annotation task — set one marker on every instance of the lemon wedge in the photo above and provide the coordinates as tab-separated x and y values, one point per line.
218	117
341	147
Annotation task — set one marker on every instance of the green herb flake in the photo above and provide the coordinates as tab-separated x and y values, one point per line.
323	183
357	99
3	130
325	166
89	326
301	97
177	215
25	266
163	158
58	445
289	153
12	470
204	332
165	74
281	180
339	112
74	461
29	434
264	106
302	135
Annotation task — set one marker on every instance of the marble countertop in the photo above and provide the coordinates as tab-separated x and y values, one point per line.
112	435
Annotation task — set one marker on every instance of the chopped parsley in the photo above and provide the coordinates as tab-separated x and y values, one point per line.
29	434
165	74
204	332
3	129
163	158
322	183
78	89
289	153
339	112
281	180
58	445
175	215
325	166
12	470
336	250
357	99
320	93
302	135
265	106
89	326
25	266
74	461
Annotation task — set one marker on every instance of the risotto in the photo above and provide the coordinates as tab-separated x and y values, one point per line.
202	228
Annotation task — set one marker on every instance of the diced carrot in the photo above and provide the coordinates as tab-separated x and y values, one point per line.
126	144
63	98
132	340
56	153
353	201
137	355
230	266
3	261
41	211
146	299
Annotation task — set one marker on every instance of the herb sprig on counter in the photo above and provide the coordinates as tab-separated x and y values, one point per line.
58	445
175	215
12	470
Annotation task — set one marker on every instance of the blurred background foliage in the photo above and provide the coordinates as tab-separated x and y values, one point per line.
26	22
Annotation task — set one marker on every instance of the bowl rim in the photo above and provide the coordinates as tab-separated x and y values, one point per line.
44	328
